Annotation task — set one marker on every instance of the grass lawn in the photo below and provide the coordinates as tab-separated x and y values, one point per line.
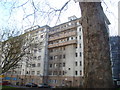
6	87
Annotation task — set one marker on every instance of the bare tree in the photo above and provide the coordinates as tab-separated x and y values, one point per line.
12	50
11	53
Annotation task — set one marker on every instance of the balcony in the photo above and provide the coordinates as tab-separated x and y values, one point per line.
62	44
63	36
59	29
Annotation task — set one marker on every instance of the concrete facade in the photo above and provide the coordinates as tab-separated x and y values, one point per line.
65	48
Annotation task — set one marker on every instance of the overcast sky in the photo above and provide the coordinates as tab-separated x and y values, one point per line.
14	17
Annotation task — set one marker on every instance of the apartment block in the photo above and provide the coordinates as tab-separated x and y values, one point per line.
65	52
54	55
115	57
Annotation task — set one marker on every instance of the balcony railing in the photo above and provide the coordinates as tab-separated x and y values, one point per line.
63	36
62	29
63	43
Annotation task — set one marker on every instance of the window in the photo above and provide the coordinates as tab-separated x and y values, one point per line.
51	58
80	63
76	73
60	56
27	72
33	65
39	57
40	43
50	65
33	72
63	48
39	50
80	72
75	63
76	54
76	38
38	72
80	54
36	45
68	39
63	72
79	37
59	72
51	50
80	45
64	56
60	64
50	73
55	73
71	38
41	36
80	29
38	64
35	51
36	37
63	64
34	57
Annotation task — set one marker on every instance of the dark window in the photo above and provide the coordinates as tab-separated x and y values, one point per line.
63	64
76	73
80	72
63	48
80	29
39	57
63	72
60	56
75	63
60	65
35	51
51	58
71	38
68	68
76	54
80	54
38	65
59	72
63	56
80	63
41	36
33	65
79	37
50	65
80	45
68	39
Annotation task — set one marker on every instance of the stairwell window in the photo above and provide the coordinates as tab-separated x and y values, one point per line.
64	56
38	64
80	63
80	54
63	64
76	63
50	65
80	72
76	54
76	72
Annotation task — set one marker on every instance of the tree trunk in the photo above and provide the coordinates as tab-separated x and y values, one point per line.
97	65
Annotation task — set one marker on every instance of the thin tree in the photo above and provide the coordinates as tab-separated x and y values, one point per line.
12	51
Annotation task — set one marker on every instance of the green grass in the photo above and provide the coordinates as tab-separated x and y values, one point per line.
6	87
